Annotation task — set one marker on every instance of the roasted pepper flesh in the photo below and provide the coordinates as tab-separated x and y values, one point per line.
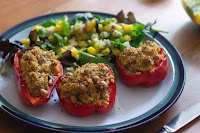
145	78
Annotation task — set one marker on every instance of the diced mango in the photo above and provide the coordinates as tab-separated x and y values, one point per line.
92	50
62	50
100	26
74	53
91	25
81	44
118	27
128	28
116	51
106	51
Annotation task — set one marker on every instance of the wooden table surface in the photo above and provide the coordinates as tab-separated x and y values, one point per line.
171	17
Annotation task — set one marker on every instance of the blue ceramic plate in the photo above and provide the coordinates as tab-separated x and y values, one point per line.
134	105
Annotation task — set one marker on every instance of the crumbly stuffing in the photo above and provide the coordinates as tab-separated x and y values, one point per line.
88	84
141	59
39	69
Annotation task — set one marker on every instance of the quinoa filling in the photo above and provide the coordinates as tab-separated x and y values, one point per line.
39	70
141	59
88	84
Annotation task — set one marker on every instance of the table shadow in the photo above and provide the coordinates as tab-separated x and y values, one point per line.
187	41
154	125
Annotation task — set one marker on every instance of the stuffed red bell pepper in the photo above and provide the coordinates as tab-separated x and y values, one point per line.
145	65
91	87
36	73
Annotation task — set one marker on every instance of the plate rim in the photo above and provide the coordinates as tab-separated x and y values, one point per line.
7	107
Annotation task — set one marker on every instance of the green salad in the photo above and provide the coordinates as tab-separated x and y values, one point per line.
88	38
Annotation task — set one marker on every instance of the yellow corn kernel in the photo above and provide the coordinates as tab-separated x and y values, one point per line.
100	27
106	51
37	27
51	38
74	53
58	28
92	50
118	27
116	52
62	50
81	44
197	18
128	27
97	46
26	42
108	27
127	38
59	23
66	47
91	25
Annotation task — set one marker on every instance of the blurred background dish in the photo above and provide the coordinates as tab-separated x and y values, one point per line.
192	7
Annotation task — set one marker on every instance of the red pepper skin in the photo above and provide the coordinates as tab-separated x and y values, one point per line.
145	78
22	87
82	110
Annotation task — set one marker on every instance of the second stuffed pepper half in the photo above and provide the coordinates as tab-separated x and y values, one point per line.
145	65
91	87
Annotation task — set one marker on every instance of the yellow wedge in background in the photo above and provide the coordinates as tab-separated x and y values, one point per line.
192	7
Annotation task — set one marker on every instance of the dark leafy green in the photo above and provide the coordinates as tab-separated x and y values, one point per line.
83	17
137	35
33	36
148	28
53	22
118	43
106	21
66	31
97	17
8	49
48	23
121	18
42	32
139	30
58	39
45	44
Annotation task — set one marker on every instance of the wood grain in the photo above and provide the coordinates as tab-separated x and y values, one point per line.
170	17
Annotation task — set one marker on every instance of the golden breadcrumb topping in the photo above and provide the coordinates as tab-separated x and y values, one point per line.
88	84
141	59
39	69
